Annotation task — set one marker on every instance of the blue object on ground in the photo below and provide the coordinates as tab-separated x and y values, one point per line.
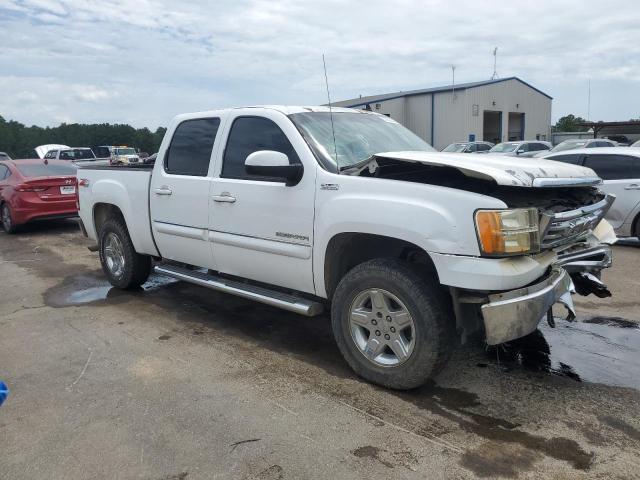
4	392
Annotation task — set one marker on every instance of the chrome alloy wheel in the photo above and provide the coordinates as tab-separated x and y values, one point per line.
114	254
381	327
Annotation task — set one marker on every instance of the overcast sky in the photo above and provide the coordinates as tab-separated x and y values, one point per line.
141	62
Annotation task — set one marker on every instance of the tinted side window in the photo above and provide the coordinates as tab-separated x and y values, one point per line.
524	147
3	172
472	148
248	135
101	152
609	167
483	147
634	164
66	156
190	149
573	158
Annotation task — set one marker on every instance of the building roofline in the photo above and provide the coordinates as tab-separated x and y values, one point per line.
357	102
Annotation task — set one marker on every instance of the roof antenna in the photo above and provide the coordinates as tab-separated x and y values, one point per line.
495	62
333	132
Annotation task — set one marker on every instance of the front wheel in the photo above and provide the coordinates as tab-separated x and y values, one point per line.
124	267
393	327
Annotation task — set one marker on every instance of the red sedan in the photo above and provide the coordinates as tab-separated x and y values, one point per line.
36	190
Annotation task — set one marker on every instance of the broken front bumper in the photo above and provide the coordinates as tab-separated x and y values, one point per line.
516	313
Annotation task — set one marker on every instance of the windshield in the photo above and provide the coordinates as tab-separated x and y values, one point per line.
125	151
569	145
46	169
455	147
358	136
504	147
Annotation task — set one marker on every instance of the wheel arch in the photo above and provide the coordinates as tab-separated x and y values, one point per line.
346	250
141	237
102	212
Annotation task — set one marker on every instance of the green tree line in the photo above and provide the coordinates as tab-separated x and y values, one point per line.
19	140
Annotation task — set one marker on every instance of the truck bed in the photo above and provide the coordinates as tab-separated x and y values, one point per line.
126	188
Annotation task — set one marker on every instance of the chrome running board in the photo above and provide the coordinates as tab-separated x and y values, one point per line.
274	298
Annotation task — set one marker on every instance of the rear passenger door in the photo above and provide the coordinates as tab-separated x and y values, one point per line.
260	228
179	192
621	176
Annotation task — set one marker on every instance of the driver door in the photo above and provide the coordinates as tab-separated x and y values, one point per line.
259	227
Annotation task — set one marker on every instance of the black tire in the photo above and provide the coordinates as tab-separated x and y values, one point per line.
7	219
427	303
136	268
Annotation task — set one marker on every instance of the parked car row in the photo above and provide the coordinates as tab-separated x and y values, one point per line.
527	148
575	143
113	154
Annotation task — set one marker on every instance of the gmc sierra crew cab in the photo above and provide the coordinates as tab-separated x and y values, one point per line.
312	209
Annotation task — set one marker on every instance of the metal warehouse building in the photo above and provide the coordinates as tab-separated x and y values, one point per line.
494	110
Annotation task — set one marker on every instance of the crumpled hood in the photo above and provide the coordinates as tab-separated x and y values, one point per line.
504	170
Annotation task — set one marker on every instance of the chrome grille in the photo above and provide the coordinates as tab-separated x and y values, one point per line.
566	227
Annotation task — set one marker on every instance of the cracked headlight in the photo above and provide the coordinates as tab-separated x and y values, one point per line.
508	232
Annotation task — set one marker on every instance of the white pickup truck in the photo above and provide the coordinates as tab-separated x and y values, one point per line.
308	209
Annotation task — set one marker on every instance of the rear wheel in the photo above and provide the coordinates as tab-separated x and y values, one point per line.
7	219
124	267
393	327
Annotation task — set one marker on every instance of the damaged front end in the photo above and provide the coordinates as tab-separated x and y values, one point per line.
585	260
582	240
571	230
516	313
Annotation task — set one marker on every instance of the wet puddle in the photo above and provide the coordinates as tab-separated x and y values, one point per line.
597	349
93	288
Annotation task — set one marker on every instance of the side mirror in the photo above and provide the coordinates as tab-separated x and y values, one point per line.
267	163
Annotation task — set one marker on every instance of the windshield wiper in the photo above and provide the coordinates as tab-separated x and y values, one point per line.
359	166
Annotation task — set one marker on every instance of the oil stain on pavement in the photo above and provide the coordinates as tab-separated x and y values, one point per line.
597	349
93	289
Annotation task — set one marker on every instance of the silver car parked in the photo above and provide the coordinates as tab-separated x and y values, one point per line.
524	148
619	168
468	147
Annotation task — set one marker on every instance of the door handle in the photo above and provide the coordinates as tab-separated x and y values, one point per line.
163	191
225	197
633	186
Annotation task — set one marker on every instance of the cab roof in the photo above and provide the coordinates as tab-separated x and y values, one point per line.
285	109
